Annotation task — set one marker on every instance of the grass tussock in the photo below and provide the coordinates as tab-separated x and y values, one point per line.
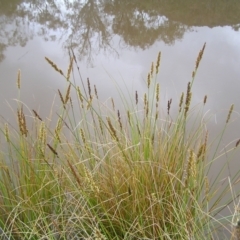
102	173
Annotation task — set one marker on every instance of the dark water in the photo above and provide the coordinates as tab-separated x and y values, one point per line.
117	41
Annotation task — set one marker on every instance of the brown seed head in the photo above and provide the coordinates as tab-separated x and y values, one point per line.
156	115
80	96
42	138
200	151
61	98
139	132
58	129
89	87
54	66
36	115
22	122
57	136
119	119
188	99
42	134
95	91
145	100
74	172
69	68
205	146
230	113
59	125
71	102
148	80
188	103
112	129
53	150
158	62
181	102
82	135
152	69
157	92
169	105
136	97
19	120
200	54
237	143
67	94
205	99
19	79
192	169
147	110
7	132
188	92
129	117
193	74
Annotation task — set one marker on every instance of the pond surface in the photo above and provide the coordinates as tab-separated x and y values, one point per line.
116	41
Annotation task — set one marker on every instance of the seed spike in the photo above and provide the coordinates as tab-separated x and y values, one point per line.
95	91
7	133
67	94
36	115
158	62
230	113
136	97
54	66
119	119
157	92
148	80
112	129
205	99
52	149
61	98
19	79
169	105
237	143
200	54
69	68
181	102
89	87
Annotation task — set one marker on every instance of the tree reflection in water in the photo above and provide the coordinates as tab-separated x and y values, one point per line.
89	26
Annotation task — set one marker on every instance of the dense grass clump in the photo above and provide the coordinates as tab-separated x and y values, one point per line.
113	174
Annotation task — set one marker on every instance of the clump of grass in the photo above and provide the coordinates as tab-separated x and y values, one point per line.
132	174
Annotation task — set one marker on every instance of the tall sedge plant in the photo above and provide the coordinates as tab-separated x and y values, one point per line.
113	174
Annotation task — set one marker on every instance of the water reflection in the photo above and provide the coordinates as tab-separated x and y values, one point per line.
33	29
89	26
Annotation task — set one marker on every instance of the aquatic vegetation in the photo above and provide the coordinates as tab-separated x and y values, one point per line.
100	172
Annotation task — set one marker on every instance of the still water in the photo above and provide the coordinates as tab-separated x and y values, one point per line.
116	41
